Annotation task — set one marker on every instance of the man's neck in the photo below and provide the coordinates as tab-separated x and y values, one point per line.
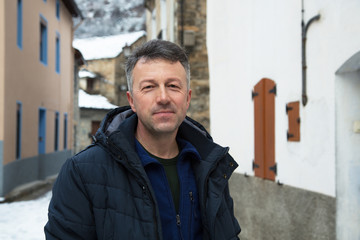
162	146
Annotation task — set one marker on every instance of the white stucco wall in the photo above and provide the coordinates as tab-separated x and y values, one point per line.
251	39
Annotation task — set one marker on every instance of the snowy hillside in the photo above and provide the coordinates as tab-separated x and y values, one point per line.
110	17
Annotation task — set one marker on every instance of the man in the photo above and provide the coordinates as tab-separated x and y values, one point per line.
152	172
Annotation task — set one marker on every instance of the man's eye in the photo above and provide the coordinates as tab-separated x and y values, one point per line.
147	87
173	86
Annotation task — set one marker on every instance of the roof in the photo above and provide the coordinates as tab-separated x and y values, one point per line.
84	73
73	8
94	101
107	46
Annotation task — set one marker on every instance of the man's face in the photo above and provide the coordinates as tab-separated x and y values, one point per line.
160	96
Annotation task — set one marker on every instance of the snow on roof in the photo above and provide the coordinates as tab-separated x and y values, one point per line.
105	47
84	73
94	101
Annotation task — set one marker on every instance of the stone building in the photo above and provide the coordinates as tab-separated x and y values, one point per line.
93	109
105	57
184	22
102	79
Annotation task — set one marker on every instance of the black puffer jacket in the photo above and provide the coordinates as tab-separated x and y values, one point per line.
103	192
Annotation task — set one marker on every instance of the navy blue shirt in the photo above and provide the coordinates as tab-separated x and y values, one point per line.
186	223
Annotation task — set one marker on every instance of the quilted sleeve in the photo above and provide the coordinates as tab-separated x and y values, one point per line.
230	204
70	213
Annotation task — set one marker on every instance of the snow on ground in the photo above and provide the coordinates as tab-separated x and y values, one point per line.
25	219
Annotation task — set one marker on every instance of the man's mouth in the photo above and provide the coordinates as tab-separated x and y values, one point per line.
163	112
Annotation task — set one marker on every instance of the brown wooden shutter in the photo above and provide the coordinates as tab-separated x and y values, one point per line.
293	112
264	110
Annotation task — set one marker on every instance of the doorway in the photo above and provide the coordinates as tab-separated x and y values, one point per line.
42	131
347	125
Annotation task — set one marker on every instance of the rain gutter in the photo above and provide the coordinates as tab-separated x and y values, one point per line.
304	29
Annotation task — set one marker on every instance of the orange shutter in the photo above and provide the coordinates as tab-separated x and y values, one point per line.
293	112
264	120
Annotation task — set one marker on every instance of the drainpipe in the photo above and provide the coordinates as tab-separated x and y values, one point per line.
304	29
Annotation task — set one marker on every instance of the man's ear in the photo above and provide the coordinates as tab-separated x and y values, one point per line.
188	98
130	100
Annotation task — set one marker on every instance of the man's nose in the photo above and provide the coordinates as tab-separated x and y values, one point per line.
163	95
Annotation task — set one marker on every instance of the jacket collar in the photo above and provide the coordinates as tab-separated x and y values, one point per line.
187	151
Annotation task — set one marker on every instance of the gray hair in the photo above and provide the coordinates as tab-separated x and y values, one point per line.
154	50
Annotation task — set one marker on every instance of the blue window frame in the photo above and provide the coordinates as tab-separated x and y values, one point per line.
19	38
58	9
56	133
57	53
43	40
65	130
42	131
18	128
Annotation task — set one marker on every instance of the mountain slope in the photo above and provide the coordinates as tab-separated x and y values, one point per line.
110	17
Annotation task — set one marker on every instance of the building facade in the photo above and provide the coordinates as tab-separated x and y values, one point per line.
36	89
184	22
284	79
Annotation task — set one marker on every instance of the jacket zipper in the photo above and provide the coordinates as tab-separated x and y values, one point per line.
192	210
178	223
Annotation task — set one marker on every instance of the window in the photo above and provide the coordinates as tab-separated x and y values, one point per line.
164	19
56	140
65	129
95	125
42	131
153	24
90	84
43	40
19	23
293	112
58	9
18	129
57	53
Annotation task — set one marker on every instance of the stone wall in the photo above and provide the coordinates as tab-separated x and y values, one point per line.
267	210
194	17
106	69
120	75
